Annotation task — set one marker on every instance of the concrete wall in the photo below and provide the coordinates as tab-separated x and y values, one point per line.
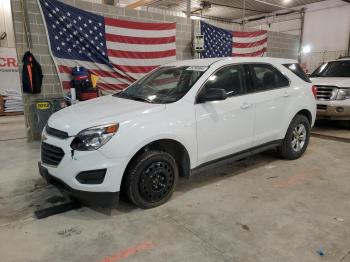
282	45
279	44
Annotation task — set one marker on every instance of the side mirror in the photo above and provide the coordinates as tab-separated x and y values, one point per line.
212	94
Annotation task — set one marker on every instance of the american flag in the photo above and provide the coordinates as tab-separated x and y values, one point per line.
219	42
117	51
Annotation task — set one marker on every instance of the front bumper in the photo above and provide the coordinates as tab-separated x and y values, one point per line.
100	199
334	110
66	174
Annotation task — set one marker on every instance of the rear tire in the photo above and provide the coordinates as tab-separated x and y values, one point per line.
151	179
296	139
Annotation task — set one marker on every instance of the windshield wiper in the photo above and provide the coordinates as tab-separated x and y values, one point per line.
137	98
141	98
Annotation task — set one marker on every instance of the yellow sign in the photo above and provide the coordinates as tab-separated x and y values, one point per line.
94	80
43	105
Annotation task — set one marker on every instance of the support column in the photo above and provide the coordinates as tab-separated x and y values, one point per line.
302	17
188	9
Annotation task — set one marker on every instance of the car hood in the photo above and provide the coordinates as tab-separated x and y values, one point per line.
103	110
332	81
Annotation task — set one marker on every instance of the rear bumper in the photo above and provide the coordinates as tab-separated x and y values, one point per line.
99	199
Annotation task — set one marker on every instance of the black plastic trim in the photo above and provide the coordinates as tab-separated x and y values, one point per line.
51	155
236	156
98	199
56	133
92	177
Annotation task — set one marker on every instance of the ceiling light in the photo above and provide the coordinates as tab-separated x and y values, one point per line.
193	17
306	49
286	1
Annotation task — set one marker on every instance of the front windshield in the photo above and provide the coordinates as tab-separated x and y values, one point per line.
339	68
165	85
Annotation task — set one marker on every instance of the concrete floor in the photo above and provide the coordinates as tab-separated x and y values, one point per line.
260	209
332	129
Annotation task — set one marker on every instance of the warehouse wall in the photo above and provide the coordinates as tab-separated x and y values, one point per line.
326	30
279	44
282	45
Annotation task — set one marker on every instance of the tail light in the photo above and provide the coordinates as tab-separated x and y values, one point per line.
314	91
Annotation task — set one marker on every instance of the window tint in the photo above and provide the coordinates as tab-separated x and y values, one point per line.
267	77
229	78
296	69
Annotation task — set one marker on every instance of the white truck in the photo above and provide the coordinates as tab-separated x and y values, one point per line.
332	80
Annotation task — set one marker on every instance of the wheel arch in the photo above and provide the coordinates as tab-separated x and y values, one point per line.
171	146
306	113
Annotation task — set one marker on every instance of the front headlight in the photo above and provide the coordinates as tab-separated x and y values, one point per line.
94	137
343	93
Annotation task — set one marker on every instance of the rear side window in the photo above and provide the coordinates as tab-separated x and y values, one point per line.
296	69
266	77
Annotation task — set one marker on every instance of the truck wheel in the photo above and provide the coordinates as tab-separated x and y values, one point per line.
152	179
296	139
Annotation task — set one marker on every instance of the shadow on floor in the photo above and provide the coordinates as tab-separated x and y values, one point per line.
333	130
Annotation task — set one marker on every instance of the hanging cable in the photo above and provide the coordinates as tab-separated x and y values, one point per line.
26	25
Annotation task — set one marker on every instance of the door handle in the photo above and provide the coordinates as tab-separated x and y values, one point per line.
245	105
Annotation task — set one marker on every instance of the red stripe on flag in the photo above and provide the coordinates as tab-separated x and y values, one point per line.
66	85
65	69
140	40
139	25
251	44
141	55
257	53
135	69
248	34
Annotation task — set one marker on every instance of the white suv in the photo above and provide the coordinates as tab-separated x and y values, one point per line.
180	118
332	80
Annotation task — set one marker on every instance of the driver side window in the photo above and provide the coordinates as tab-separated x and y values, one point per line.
230	78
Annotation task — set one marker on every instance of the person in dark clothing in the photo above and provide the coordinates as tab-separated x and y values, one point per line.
32	76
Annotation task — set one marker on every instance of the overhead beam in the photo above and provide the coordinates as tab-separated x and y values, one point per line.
139	3
239	8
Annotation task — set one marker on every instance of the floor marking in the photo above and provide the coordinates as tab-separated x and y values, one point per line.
128	252
11	139
296	179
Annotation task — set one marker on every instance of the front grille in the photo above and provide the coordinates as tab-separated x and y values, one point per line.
56	133
51	155
326	92
322	107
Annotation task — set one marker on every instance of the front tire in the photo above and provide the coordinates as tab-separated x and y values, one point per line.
296	139
152	178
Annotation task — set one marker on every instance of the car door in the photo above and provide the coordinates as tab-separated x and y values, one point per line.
271	96
225	127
